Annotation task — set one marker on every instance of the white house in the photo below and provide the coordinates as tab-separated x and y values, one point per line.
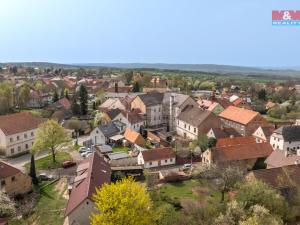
286	138
157	157
262	134
17	133
133	120
102	133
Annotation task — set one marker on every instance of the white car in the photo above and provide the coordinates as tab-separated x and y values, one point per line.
187	166
84	149
84	154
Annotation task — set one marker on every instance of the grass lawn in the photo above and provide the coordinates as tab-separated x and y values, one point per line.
200	190
46	162
275	120
121	149
50	206
35	112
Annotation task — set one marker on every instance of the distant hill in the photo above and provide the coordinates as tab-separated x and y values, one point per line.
284	72
210	68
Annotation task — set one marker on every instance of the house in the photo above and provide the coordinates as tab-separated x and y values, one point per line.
235	141
286	138
13	181
279	158
134	137
284	179
245	121
242	103
150	105
157	157
61	104
222	132
104	132
263	133
193	122
116	103
17	133
91	173
243	155
162	108
212	106
131	119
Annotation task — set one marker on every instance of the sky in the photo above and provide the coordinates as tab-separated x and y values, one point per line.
228	32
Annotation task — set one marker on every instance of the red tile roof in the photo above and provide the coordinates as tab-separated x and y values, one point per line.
241	152
235	141
240	115
7	170
92	173
158	154
279	158
19	122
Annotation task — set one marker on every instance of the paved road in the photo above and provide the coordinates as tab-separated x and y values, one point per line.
20	161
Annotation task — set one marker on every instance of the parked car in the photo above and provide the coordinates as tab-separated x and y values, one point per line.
85	153
68	164
45	177
187	166
84	149
88	154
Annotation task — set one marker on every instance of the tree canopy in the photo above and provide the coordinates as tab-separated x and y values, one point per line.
123	202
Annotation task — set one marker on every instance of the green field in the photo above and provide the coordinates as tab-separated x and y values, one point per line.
121	149
47	163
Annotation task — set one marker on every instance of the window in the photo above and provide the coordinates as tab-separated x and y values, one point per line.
189	127
184	126
166	160
171	160
11	139
25	135
150	163
18	138
26	146
12	150
13	178
288	148
19	148
2	182
32	134
195	130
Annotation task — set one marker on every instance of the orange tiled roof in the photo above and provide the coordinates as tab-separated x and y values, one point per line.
134	137
240	115
235	141
241	152
19	122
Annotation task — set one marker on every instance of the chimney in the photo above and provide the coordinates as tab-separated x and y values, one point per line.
116	87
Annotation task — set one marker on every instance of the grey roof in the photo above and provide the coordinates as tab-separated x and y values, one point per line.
178	98
113	113
289	133
117	155
279	158
194	115
109	129
225	132
152	98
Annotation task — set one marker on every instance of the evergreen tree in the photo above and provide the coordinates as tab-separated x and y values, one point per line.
32	172
75	107
55	96
83	100
136	87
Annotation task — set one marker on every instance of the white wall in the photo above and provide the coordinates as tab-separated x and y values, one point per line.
185	128
97	137
277	142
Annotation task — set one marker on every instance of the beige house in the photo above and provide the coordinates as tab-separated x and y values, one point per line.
17	133
157	157
13	181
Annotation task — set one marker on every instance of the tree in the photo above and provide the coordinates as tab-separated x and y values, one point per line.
75	107
227	176
49	135
62	93
128	77
23	95
262	95
100	97
55	97
136	87
211	142
83	99
123	202
6	97
258	193
261	216
32	171
7	206
151	179
235	213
